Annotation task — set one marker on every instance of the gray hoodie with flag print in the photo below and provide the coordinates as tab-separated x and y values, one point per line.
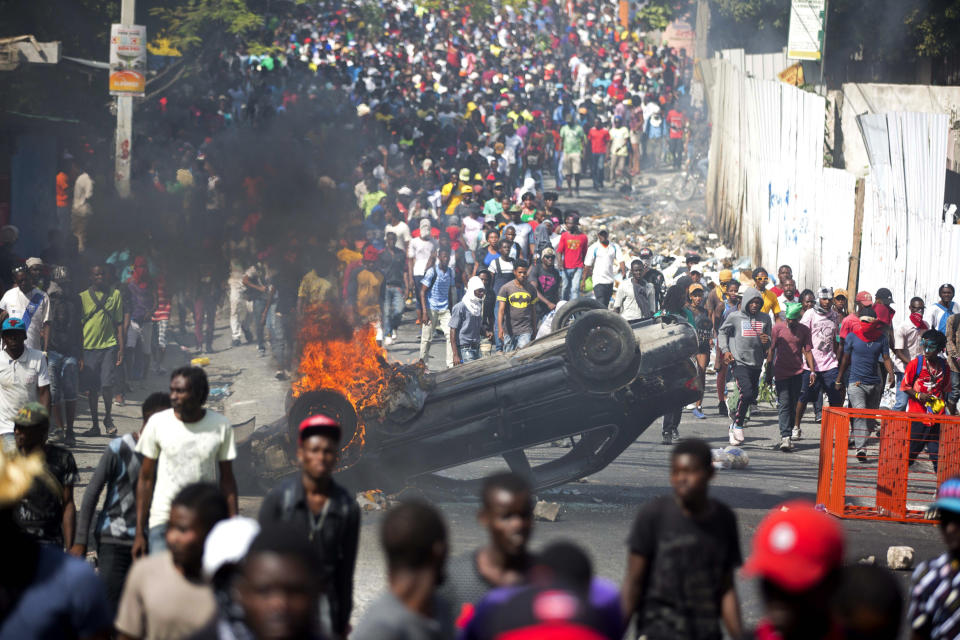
740	332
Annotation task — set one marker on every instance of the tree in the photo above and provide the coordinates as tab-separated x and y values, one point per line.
208	23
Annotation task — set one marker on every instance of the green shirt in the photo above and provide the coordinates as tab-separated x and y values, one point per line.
492	208
371	200
572	138
100	321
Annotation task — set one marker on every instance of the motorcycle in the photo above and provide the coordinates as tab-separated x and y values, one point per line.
691	181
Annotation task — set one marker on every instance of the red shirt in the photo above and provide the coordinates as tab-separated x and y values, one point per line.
573	248
599	139
938	385
675	121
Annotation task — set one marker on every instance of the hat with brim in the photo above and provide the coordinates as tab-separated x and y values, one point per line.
32	414
13	324
320	425
948	496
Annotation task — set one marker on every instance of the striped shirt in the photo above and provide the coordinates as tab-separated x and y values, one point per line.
935	598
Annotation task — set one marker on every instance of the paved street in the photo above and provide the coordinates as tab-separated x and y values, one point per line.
596	512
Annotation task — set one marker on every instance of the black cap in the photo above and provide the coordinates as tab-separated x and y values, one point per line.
884	294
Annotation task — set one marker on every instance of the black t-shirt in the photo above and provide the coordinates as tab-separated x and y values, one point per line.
547	281
40	513
688	559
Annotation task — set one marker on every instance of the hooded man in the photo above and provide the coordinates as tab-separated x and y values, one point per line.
466	319
744	338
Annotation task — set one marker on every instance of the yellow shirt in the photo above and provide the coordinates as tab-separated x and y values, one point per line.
770	302
314	289
455	200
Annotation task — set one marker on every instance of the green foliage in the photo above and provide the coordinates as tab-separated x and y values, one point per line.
206	22
481	9
935	26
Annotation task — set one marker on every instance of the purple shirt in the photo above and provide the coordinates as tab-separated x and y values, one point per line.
823	334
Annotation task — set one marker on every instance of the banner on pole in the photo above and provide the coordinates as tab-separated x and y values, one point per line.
807	26
128	60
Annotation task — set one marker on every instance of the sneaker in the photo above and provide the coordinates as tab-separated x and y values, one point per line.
698	414
819	417
69	440
236	343
796	434
280	374
722	409
736	433
667	437
676	434
261	352
733	438
393	335
785	445
387	341
92	432
109	427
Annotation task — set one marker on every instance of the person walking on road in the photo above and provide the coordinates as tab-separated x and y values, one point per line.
744	338
517	310
603	261
466	323
790	347
435	296
101	310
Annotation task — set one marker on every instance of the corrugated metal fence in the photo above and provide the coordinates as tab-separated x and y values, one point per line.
907	245
767	189
772	199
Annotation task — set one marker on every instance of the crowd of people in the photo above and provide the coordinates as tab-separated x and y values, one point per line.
176	561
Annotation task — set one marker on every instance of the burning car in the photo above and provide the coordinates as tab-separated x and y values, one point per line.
598	379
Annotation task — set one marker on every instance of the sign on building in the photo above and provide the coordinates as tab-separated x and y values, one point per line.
808	20
128	60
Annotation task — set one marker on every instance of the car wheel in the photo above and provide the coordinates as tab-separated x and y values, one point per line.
573	310
602	351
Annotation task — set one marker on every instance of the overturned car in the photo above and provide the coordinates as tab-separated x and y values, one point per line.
597	379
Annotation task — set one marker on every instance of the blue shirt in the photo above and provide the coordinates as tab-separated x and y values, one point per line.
438	285
863	358
65	599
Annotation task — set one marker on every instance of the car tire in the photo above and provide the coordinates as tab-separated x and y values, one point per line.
602	351
573	310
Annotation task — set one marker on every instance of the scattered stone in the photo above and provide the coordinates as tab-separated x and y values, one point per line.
548	511
598	500
900	558
868	560
372	500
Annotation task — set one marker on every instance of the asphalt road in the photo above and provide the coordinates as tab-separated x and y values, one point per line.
597	512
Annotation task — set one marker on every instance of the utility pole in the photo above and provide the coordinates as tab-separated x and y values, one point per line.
124	137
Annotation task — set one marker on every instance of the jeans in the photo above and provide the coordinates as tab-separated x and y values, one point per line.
603	293
596	169
748	381
497	342
902	397
863	396
258	307
437	319
393	303
278	343
157	539
469	353
824	382
955	384
788	395
671	421
64	377
114	562
571	283
925	436
519	341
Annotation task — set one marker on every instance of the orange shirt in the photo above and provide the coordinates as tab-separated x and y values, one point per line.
63	185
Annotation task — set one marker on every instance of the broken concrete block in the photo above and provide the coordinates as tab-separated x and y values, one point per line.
900	558
868	560
372	500
548	511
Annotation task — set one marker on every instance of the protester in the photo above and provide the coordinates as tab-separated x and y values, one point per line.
436	298
466	320
165	595
101	312
823	323
116	524
797	554
698	319
64	354
937	315
324	513
726	304
23	376
414	540
546	279
603	262
47	593
572	250
931	612
516	311
770	303
869	603
744	339
31	305
506	512
790	348
393	265
926	382
683	550
862	349
635	298
185	444
906	346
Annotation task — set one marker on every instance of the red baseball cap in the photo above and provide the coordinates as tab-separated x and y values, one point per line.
864	297
319	425
795	547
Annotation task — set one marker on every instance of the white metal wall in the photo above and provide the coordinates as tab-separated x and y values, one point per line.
767	190
907	246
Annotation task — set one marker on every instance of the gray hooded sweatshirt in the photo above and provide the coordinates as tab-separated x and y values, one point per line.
740	332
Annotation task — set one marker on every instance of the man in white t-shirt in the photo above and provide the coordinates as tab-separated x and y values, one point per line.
619	151
397	227
26	302
23	375
602	262
906	346
419	252
181	446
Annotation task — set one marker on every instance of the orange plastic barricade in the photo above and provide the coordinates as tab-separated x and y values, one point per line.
899	477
